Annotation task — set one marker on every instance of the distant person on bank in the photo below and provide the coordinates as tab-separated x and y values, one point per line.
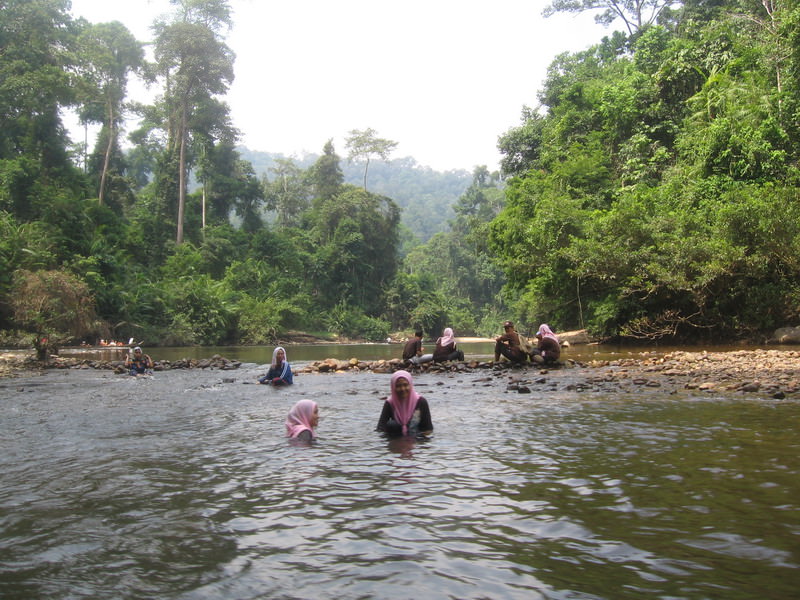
548	348
280	371
301	423
412	351
405	412
138	363
510	345
446	347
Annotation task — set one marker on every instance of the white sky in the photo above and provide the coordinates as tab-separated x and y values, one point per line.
443	78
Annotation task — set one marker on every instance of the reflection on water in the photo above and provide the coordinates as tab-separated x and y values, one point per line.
182	486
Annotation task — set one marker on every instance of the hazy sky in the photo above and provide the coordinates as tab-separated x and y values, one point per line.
443	78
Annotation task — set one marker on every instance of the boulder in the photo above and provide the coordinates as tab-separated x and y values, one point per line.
787	335
579	336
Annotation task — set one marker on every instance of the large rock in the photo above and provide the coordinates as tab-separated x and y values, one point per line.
787	335
579	336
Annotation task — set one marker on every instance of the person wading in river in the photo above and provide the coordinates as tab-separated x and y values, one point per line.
405	412
280	371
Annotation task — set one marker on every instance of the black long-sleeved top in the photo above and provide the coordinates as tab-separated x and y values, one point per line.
420	421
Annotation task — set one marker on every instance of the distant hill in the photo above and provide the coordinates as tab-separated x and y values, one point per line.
426	196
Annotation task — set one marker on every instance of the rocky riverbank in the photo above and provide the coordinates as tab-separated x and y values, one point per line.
12	363
775	373
771	373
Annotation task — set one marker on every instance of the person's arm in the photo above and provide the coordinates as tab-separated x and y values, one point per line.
148	361
386	414
267	379
286	375
425	421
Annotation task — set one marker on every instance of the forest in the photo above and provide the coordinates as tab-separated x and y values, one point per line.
650	192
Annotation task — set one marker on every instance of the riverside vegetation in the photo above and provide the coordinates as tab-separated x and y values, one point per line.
651	192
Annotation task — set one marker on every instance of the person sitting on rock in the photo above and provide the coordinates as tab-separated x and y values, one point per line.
138	363
510	345
412	351
280	371
446	348
548	348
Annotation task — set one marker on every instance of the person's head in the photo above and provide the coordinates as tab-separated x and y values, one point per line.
402	387
508	326
545	331
137	351
303	415
278	355
418	333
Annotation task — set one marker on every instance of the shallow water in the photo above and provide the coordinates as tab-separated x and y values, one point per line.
304	353
182	486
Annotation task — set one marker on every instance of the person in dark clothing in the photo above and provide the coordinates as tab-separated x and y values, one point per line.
138	363
548	348
405	412
446	348
280	371
509	345
412	351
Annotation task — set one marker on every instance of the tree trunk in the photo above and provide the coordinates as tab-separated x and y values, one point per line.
107	158
181	179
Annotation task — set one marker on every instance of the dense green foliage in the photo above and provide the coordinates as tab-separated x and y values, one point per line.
425	196
656	191
180	240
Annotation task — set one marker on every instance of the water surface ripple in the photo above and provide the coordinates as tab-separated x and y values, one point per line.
183	486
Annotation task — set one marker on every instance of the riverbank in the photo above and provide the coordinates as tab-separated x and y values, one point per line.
766	373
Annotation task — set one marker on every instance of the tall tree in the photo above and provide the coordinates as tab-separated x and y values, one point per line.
288	193
327	173
636	14
364	144
109	53
196	65
36	66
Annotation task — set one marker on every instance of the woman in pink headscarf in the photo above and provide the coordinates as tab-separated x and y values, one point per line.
302	421
405	412
548	349
446	347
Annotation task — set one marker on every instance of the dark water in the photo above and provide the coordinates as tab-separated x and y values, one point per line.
182	486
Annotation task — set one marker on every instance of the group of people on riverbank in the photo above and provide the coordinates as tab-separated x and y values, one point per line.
445	349
517	349
511	345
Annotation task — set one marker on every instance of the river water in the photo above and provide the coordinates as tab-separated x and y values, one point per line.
183	486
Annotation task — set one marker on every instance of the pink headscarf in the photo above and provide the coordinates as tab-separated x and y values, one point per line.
447	338
545	331
299	418
403	411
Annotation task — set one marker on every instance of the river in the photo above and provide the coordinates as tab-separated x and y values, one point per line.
182	486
